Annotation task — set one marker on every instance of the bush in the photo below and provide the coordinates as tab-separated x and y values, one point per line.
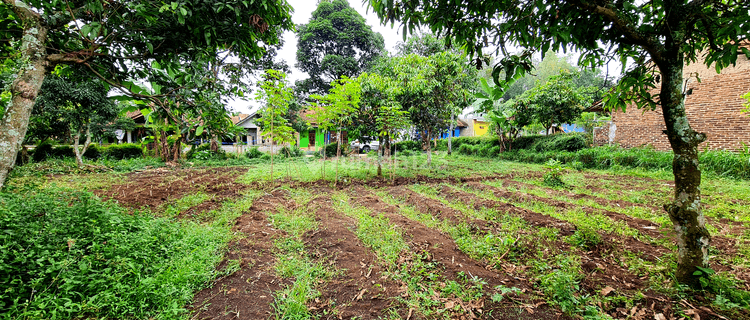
293	151
92	152
405	153
553	176
62	152
331	150
123	151
66	254
203	152
42	151
254	153
410	145
557	142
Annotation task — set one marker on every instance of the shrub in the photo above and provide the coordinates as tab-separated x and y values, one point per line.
553	176
410	145
557	142
42	151
62	152
123	151
203	152
254	153
331	150
67	254
92	152
405	153
293	151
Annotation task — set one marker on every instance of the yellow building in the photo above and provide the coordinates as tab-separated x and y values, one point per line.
480	127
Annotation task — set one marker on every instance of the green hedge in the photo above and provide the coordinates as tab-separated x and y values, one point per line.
331	150
410	145
123	151
718	162
203	152
557	142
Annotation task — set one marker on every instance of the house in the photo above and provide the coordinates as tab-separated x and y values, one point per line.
713	106
315	138
460	125
476	124
252	130
139	132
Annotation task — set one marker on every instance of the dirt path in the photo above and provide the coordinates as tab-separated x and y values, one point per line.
247	293
361	290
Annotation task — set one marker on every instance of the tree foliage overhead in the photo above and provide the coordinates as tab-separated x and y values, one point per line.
668	34
117	41
336	42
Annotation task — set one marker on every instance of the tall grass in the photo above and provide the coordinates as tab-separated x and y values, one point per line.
66	254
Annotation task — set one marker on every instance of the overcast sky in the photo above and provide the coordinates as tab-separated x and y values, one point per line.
302	12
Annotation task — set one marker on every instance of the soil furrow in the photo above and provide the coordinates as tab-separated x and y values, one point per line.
643	226
444	250
153	188
361	290
248	292
437	208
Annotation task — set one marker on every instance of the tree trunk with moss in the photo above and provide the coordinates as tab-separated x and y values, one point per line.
25	88
685	211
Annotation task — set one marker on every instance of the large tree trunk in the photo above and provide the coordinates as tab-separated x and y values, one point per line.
685	210
24	89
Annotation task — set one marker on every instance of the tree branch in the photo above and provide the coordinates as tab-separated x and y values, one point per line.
631	34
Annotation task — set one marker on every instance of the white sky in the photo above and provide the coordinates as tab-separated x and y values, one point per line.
302	12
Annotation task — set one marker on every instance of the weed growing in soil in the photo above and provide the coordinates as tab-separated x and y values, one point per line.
180	205
66	254
553	176
375	232
294	263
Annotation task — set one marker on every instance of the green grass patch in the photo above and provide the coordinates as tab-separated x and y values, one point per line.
66	254
376	232
293	262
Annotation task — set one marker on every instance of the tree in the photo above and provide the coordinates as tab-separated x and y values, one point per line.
505	120
336	42
667	33
379	111
117	41
433	88
76	104
332	110
557	101
275	94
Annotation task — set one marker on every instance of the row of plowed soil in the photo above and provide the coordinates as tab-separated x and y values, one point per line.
363	289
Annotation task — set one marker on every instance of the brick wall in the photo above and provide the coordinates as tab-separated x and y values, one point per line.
714	107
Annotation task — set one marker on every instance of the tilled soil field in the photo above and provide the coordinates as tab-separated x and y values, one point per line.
495	247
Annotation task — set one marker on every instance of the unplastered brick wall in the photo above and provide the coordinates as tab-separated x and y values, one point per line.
714	107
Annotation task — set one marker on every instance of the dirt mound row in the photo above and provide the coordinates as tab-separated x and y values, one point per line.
643	226
248	292
437	208
152	188
443	249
